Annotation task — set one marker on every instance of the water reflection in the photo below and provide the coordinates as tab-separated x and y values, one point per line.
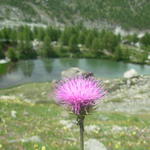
7	68
3	69
66	63
48	64
27	67
142	67
12	67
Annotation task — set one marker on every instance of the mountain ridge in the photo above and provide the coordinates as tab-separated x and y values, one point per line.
92	13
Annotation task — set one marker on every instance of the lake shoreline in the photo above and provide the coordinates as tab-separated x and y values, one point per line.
5	61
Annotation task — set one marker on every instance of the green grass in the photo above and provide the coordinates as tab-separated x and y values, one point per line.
115	100
35	92
43	120
3	68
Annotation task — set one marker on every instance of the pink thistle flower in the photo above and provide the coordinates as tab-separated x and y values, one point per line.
80	93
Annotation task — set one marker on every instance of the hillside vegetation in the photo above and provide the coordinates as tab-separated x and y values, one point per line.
97	13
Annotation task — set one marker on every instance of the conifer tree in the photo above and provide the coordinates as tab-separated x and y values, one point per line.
53	33
118	53
12	54
47	50
40	34
81	38
2	55
13	35
95	44
146	40
65	36
109	41
26	50
73	44
144	57
89	40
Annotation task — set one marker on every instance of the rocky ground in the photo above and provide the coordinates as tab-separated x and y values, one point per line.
127	95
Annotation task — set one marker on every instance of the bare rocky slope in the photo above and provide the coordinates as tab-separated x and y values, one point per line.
127	95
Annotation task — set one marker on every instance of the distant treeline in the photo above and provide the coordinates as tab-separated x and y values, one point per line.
76	41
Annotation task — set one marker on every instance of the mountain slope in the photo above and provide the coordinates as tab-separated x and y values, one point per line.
97	13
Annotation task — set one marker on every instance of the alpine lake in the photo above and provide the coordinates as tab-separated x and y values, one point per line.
42	70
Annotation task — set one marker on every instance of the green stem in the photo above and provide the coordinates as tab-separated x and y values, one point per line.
81	124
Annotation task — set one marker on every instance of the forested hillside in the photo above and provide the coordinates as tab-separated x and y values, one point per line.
98	13
77	41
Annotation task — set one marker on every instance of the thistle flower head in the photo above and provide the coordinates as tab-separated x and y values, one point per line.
80	93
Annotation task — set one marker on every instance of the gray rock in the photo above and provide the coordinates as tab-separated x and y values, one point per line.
4	61
71	72
13	114
36	44
93	144
36	139
67	123
129	83
25	113
32	139
74	71
117	129
71	139
4	97
130	73
103	118
91	128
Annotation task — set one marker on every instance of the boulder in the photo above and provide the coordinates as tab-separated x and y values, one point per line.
130	73
93	144
67	123
36	44
13	114
35	139
74	71
91	128
4	61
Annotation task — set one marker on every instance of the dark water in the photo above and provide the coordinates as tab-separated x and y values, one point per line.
48	69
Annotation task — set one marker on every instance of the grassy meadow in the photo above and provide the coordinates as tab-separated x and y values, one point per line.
36	115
